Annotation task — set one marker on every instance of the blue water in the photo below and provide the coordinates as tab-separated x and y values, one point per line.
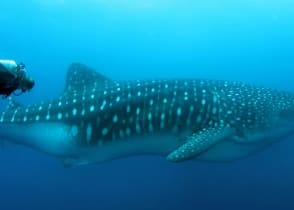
241	40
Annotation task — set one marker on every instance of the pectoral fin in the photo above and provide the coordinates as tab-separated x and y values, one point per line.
198	143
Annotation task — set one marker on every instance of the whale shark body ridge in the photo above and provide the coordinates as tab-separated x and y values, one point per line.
97	119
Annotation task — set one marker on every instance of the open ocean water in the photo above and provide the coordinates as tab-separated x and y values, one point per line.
244	40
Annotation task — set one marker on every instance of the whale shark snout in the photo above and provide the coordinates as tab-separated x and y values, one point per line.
97	119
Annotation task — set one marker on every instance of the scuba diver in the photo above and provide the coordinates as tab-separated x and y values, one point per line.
13	77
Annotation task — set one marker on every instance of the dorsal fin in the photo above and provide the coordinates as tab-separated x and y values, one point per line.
80	76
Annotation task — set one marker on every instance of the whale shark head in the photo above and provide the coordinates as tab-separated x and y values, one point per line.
97	119
60	126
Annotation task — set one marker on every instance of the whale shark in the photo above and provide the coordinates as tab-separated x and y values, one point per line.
96	119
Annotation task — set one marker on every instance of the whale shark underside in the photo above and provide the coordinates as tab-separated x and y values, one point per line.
97	119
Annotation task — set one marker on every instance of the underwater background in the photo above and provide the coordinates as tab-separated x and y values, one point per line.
244	40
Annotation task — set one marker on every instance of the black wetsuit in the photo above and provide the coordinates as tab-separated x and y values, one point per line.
8	81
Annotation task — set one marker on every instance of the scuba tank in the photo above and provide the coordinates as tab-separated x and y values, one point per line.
9	65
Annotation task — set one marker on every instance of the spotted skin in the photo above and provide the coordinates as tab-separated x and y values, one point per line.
98	111
198	143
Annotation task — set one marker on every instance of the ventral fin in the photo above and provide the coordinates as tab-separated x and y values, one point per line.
198	143
80	76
